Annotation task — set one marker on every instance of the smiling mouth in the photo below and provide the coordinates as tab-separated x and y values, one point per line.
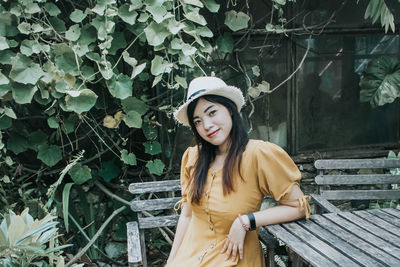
211	135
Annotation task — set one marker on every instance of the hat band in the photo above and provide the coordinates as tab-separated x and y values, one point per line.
196	93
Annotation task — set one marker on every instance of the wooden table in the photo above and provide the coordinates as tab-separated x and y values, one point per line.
359	238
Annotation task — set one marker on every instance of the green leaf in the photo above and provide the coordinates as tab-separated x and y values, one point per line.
150	131
109	171
236	20
65	203
3	43
3	80
17	143
53	122
23	94
36	139
127	15
158	12
225	43
128	158
181	81
197	3
6	55
194	16
117	43
156	33
32	8
159	66
73	33
80	173
77	16
49	154
57	24
188	50
211	5
133	119
138	69
24	70
120	86
80	101
155	167
5	122
65	58
204	32
88	35
152	148
174	26
132	103
381	81
52	9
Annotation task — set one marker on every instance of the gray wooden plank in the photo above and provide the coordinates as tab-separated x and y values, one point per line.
372	228
267	238
357	179
360	194
394	212
134	251
379	242
325	204
298	246
378	222
326	164
342	245
159	221
385	216
309	238
153	187
355	240
154	204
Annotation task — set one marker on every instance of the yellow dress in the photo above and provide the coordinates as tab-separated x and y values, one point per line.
267	170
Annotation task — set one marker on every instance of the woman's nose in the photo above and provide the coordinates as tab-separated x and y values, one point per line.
207	124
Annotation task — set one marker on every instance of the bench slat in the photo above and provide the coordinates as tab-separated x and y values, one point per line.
159	221
327	164
154	204
360	194
307	253
153	187
357	179
325	204
332	239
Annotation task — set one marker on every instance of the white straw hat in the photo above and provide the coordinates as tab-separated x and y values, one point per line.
208	86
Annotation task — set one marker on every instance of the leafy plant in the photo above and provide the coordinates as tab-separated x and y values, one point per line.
380	83
25	241
378	9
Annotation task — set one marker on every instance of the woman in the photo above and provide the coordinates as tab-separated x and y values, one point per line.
224	179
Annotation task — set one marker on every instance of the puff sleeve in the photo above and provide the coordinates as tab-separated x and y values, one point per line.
277	172
187	165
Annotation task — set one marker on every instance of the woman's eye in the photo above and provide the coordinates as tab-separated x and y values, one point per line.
212	112
196	122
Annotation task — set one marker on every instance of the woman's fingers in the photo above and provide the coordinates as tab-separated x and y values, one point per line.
241	251
225	246
229	251
234	251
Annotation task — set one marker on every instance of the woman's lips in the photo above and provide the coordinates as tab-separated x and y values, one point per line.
211	135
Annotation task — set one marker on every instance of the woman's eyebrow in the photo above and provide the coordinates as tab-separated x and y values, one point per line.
205	111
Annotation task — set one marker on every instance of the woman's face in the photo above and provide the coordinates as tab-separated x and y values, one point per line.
213	122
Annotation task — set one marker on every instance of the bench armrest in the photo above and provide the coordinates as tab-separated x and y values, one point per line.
324	204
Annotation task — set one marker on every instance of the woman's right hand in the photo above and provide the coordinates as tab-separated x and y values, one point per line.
235	240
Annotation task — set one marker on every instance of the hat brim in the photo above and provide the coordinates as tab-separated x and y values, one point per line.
231	92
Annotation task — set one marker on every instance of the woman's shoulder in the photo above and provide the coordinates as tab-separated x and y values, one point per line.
190	155
256	146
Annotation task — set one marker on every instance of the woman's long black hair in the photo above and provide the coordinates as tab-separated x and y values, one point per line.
207	151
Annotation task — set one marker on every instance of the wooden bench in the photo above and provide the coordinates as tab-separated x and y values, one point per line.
160	196
356	238
326	181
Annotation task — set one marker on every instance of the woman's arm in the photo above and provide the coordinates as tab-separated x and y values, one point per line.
183	223
289	211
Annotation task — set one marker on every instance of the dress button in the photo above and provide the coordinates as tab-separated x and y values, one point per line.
206	193
206	211
212	227
212	246
200	258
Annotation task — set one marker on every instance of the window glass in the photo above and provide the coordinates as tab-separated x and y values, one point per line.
330	115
